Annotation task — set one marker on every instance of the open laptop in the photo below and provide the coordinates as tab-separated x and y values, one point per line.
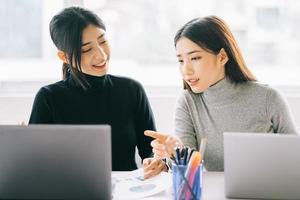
261	165
55	162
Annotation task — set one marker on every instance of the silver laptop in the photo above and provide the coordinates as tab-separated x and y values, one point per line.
55	162
264	166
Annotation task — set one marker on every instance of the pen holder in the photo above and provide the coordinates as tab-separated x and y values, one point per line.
182	187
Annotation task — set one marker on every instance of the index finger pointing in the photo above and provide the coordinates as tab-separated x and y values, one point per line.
159	136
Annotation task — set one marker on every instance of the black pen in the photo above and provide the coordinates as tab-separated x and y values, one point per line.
185	155
192	150
178	155
182	153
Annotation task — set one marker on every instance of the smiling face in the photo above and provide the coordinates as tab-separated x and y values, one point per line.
199	68
95	52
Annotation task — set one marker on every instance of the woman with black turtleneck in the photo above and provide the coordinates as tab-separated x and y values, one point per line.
88	95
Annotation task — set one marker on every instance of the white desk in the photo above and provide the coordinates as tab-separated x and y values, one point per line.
213	188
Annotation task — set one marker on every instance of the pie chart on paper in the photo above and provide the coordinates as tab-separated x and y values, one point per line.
137	189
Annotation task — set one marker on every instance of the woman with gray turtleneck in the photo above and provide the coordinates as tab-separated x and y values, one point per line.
221	94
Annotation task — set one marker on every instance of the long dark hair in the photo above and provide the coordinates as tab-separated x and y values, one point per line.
66	29
212	34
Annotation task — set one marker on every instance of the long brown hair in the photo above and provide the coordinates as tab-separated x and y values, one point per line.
212	34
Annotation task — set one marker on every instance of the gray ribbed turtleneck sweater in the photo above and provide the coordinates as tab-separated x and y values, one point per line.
228	107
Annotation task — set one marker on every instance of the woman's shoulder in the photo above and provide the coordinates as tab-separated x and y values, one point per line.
124	82
261	88
53	88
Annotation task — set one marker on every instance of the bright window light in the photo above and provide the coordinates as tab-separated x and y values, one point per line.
141	36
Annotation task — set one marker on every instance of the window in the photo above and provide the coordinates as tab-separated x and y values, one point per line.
20	29
141	36
268	18
26	49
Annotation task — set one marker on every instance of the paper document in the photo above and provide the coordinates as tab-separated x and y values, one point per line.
130	185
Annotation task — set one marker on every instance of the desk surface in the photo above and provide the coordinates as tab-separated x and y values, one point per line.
213	188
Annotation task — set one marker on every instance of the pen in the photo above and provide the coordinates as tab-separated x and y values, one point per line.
190	155
182	175
178	155
181	156
203	146
190	176
185	155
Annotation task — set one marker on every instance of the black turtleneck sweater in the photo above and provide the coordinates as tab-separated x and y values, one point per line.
118	101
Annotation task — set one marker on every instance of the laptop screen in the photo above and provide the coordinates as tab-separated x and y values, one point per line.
262	165
55	162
